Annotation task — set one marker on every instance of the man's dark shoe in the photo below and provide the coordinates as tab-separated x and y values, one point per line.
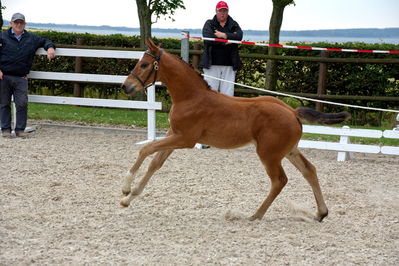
6	134
22	134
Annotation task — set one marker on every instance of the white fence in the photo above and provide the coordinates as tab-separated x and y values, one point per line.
150	104
344	147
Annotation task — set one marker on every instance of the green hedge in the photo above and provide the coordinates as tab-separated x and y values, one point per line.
342	78
294	76
92	65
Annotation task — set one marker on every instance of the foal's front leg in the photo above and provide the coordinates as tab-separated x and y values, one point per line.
165	148
155	164
126	188
129	177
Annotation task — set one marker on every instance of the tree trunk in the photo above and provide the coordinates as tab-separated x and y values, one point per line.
77	89
274	38
1	16
144	13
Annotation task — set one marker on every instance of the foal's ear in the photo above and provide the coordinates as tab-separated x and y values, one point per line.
151	46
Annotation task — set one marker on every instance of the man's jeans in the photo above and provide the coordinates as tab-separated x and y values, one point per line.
18	87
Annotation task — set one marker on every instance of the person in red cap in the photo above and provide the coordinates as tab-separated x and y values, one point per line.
221	59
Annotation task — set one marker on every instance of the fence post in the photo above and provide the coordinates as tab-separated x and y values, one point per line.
77	90
185	46
196	58
397	121
344	155
151	119
321	87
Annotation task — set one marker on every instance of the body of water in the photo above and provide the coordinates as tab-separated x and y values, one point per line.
323	39
247	37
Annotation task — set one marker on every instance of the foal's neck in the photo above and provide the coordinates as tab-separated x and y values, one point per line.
182	81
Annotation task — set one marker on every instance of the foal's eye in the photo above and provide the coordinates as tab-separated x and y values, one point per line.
144	65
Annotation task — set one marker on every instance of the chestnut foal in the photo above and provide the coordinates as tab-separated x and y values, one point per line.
201	115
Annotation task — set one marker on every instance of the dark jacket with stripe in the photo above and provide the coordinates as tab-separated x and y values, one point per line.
233	31
16	57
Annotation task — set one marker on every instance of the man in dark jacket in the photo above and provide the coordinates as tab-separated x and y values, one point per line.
17	50
221	59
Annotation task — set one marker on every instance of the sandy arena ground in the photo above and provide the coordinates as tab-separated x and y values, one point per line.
60	191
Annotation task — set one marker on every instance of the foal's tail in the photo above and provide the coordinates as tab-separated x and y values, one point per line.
313	116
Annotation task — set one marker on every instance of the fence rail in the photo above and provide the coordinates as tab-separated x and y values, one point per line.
150	105
323	60
344	147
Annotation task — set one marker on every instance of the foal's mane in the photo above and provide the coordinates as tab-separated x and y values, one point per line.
154	49
192	69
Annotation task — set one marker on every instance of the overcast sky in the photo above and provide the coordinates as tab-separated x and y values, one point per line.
250	14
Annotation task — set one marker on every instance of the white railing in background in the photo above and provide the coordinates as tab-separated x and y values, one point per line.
344	147
151	105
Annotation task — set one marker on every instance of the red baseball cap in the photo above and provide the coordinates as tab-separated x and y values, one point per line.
221	5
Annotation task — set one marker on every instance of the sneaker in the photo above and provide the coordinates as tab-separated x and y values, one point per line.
6	134
21	134
201	146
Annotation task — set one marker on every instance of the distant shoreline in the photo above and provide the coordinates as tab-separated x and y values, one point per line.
369	35
357	32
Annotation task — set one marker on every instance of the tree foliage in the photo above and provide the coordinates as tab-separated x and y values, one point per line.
166	8
154	9
1	15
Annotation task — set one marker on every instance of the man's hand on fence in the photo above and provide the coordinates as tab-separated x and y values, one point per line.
50	53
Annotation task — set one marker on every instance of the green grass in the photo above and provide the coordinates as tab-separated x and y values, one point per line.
112	116
138	118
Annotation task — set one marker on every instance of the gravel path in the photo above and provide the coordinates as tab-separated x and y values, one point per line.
60	191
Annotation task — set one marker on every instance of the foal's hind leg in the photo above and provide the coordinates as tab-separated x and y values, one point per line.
278	181
155	164
309	172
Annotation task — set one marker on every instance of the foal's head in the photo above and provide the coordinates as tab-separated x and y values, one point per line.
145	72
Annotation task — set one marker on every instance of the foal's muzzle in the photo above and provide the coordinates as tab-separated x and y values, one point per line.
129	89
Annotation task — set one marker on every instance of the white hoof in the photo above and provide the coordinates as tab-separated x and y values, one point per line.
125	202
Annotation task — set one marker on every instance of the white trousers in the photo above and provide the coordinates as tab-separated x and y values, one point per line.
221	72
